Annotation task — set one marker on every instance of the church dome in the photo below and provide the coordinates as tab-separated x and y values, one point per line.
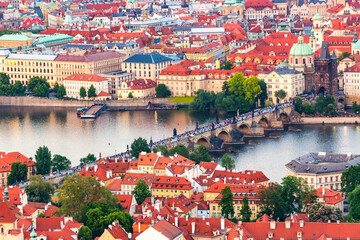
300	48
317	17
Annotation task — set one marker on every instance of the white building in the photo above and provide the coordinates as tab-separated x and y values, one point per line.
352	80
291	81
74	82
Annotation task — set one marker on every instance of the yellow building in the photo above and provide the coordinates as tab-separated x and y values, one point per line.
130	179
239	193
114	232
15	40
164	186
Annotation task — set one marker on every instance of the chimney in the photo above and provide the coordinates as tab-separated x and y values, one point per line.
193	227
287	224
176	222
203	218
323	192
187	217
272	225
301	223
129	235
139	228
329	221
222	224
337	222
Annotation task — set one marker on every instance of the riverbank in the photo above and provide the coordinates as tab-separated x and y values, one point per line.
329	120
29	101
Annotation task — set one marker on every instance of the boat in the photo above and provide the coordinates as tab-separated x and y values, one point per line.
80	111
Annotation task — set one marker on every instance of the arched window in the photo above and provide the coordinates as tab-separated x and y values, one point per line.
304	61
296	61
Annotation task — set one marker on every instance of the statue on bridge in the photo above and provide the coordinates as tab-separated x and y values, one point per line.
175	132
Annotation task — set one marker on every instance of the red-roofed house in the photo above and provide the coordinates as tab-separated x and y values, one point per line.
130	179
139	88
164	186
5	165
115	232
128	202
74	82
330	197
162	230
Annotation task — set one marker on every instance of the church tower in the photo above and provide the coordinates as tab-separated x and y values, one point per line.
318	31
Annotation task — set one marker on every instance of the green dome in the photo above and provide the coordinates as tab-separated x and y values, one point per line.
318	17
300	48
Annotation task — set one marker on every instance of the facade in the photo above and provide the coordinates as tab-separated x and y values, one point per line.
290	80
15	40
74	82
301	55
164	186
130	179
140	88
330	197
146	66
351	80
322	169
257	10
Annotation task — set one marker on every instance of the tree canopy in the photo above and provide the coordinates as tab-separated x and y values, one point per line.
350	179
91	92
200	154
59	163
139	145
89	158
227	66
141	191
43	160
39	86
324	213
162	91
227	162
183	151
281	94
61	93
39	189
130	95
78	190
226	203
7	89
18	173
82	92
245	210
354	200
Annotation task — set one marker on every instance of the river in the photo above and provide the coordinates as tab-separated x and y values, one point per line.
24	129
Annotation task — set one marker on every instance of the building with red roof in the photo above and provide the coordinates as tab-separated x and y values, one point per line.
164	186
128	202
116	232
330	197
130	179
6	159
139	88
294	230
161	230
75	82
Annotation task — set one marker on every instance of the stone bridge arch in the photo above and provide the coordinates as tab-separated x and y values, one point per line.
264	122
203	141
225	136
244	128
284	117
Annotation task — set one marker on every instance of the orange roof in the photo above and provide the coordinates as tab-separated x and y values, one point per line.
148	159
125	201
133	178
8	212
162	162
329	196
85	78
165	182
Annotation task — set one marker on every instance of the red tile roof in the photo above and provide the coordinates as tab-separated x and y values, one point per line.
165	182
116	231
329	196
167	229
148	159
85	78
133	178
125	201
8	212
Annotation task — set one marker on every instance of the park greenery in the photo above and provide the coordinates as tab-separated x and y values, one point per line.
324	213
350	185
226	203
323	105
141	191
91	93
61	92
43	160
39	86
60	163
162	91
238	94
281	200
39	189
18	173
181	150
200	154
7	89
82	92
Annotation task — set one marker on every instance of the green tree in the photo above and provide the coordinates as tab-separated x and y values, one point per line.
162	91
201	154
85	233
18	89
345	54
225	88
263	95
252	89
298	105
78	190
60	163
163	150
130	95
89	158
226	66
203	101
324	213
330	110
61	93
245	210
226	203
82	92
281	94
18	173
4	79
141	191
91	92
350	179
39	189
43	160
236	83
354	200
227	162
308	108
356	107
139	145
56	87
39	86
272	203
183	151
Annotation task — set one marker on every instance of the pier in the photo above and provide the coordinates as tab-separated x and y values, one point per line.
94	111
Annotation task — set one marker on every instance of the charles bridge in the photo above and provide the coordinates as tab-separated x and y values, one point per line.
233	134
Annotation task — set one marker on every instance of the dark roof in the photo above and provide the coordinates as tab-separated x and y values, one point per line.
324	54
147	58
317	163
282	71
88	57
